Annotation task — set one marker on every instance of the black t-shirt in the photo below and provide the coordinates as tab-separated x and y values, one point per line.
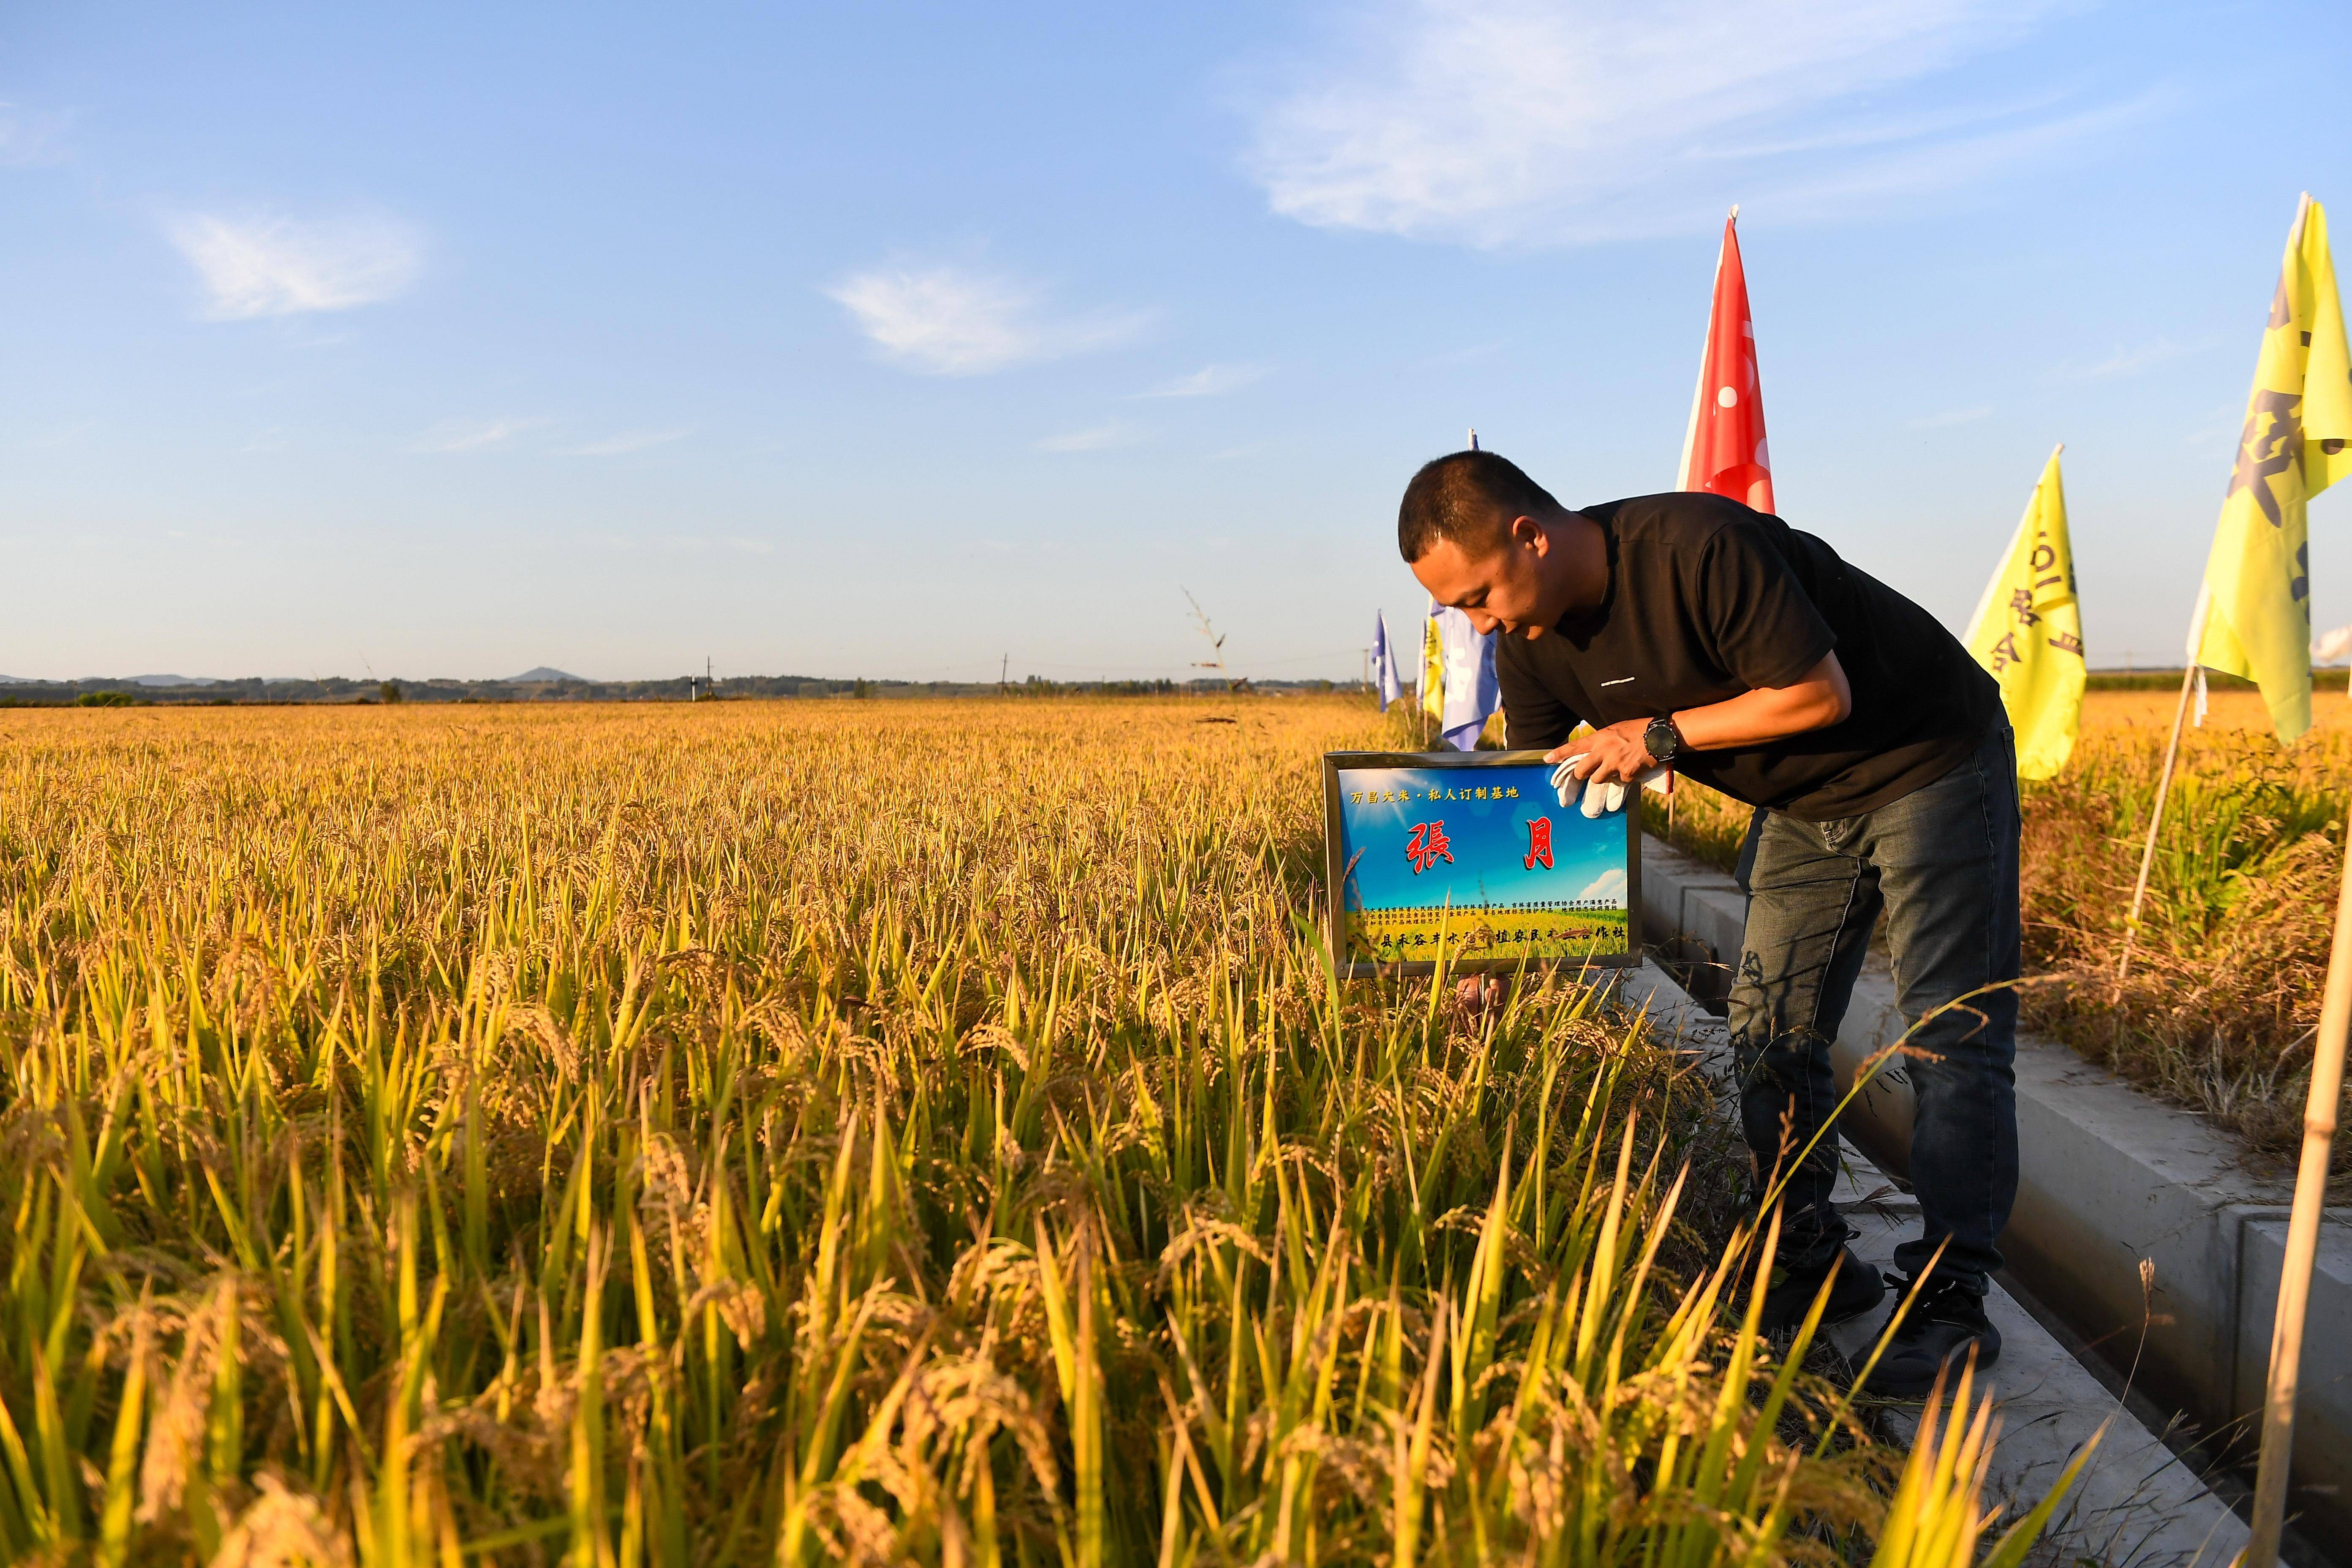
1708	599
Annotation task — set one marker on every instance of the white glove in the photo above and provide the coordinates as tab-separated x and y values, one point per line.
1599	798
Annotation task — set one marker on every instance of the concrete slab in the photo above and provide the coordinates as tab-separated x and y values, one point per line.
2136	1223
2108	1179
2135	1504
2326	1395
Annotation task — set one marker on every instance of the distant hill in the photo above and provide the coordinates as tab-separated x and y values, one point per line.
545	672
171	680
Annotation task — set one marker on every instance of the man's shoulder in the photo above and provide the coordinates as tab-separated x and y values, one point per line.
1678	520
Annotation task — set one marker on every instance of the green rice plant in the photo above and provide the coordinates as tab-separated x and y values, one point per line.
2219	1007
1936	1518
929	1133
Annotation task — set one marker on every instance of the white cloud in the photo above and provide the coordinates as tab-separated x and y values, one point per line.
2224	425
1091	440
277	266
454	437
949	320
60	435
626	442
1209	381
1519	121
2132	360
1609	884
29	137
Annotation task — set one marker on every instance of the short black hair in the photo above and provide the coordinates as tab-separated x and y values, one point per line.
1469	498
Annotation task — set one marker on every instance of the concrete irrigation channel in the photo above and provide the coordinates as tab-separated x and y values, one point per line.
2137	1227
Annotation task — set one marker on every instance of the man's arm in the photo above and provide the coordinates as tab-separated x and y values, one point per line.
1820	699
1770	714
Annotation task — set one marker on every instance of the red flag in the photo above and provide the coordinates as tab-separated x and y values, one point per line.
1724	451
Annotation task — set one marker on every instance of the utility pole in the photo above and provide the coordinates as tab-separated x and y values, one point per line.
1367	666
1002	670
707	685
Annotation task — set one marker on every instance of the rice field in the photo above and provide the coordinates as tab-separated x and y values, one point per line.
785	1133
2222	1000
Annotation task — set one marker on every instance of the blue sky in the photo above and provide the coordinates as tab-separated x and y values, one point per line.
888	339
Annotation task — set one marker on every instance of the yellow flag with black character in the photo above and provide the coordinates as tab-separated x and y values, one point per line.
2254	609
2028	631
1433	666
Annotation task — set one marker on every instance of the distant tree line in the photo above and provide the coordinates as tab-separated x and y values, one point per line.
118	692
2169	680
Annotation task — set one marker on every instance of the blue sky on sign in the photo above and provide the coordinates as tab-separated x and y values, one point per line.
888	340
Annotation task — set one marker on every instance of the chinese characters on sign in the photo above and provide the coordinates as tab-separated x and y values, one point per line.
1405	796
1539	843
1428	846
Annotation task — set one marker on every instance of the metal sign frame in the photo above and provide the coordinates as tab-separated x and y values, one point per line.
1336	764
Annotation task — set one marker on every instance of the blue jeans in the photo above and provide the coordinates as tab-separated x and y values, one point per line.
1942	863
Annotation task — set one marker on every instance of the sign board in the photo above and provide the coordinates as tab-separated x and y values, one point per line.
1473	850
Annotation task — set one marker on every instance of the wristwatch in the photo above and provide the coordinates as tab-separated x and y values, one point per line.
1662	741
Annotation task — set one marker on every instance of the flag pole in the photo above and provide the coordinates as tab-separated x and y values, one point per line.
2155	819
2188	678
2302	1236
2319	1108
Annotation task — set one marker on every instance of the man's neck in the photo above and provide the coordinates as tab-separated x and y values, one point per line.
1583	552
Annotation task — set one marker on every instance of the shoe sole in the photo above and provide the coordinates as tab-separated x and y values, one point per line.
1910	1393
1830	1318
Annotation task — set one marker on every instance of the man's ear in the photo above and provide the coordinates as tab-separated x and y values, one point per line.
1526	533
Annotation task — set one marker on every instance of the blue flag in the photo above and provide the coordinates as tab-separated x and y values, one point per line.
1472	693
1384	669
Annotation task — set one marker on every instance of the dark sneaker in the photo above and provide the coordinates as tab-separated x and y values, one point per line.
1788	1296
1943	1324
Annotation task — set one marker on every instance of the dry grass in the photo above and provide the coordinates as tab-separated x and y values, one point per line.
2223	997
767	1133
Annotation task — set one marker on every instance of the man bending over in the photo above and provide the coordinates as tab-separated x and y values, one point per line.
1691	631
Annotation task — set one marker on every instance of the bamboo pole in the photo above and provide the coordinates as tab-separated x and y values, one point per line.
2302	1236
2155	819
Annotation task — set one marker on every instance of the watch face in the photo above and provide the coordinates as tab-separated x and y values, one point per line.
1660	738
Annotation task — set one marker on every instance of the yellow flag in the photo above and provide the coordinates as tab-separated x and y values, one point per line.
1433	666
2254	609
2029	632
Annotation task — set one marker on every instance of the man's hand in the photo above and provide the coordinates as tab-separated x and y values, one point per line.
1599	798
1477	996
1618	754
1621	754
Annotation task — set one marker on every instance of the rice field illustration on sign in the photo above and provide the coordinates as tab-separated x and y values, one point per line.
1473	855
